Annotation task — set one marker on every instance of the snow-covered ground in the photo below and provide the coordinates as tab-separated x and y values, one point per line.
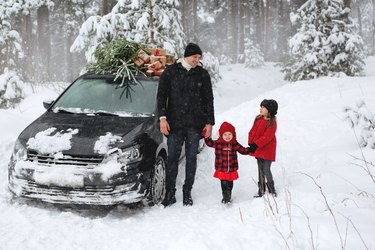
326	198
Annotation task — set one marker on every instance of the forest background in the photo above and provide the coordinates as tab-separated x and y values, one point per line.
37	35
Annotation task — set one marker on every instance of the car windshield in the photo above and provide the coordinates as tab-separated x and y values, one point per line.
105	97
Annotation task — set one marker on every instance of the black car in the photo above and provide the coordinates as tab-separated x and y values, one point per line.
98	143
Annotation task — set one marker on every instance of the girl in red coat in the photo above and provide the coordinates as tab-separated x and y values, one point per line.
226	164
262	144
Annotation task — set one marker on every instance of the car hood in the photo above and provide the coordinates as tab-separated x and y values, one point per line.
83	132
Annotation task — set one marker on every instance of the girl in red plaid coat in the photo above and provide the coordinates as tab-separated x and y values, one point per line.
226	163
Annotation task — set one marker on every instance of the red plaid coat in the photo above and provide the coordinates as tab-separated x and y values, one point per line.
226	163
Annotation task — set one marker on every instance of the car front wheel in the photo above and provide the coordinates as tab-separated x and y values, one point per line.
157	188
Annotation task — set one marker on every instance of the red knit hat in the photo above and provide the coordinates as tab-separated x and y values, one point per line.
227	127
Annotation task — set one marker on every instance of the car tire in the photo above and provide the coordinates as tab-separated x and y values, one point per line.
157	184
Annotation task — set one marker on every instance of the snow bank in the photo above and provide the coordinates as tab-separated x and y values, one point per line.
326	197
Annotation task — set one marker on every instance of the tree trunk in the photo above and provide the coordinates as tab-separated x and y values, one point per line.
151	38
104	7
373	27
44	43
360	31
248	21
195	21
347	5
281	41
234	30
258	6
241	33
186	18
68	60
265	27
28	47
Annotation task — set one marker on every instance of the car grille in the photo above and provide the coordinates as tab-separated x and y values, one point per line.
66	160
95	195
32	186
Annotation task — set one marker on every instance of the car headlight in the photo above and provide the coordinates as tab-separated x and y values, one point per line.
19	151
124	156
130	155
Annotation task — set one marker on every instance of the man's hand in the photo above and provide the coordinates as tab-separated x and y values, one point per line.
208	129
164	126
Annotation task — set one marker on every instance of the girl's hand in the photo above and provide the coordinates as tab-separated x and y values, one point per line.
207	131
252	147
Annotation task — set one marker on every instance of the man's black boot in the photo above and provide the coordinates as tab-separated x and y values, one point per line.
169	198
187	200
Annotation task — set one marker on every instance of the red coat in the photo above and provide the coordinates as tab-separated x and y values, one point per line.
264	138
226	163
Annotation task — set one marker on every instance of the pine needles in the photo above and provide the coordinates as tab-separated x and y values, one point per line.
115	58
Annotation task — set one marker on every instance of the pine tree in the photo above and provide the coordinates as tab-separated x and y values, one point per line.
152	22
253	55
11	52
10	39
325	42
10	89
212	65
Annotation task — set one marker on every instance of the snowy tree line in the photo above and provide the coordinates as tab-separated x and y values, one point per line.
37	37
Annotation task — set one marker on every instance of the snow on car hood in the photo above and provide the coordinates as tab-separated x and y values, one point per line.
78	134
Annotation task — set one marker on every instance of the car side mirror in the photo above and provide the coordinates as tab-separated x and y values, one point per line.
47	103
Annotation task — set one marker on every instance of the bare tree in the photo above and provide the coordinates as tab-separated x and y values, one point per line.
241	32
44	43
28	46
258	21
373	27
184	22
104	7
195	20
232	31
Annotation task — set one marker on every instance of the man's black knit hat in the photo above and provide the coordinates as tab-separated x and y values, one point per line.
192	49
271	105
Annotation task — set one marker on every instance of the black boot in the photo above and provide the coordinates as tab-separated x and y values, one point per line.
169	198
261	190
271	188
187	200
226	196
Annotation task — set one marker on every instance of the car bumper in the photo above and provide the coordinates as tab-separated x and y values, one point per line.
92	190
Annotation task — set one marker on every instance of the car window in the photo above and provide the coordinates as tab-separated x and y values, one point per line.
105	96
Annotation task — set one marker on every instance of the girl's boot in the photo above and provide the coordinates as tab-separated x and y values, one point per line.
226	196
271	188
261	190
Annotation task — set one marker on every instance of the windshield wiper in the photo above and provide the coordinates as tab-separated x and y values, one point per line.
103	113
141	114
59	110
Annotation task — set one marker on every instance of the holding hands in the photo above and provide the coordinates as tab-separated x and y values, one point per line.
252	147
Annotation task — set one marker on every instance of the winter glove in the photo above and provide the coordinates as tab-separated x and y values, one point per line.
253	147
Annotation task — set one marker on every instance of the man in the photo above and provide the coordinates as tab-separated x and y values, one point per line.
185	108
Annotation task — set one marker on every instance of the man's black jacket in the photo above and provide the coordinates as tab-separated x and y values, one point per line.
185	97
